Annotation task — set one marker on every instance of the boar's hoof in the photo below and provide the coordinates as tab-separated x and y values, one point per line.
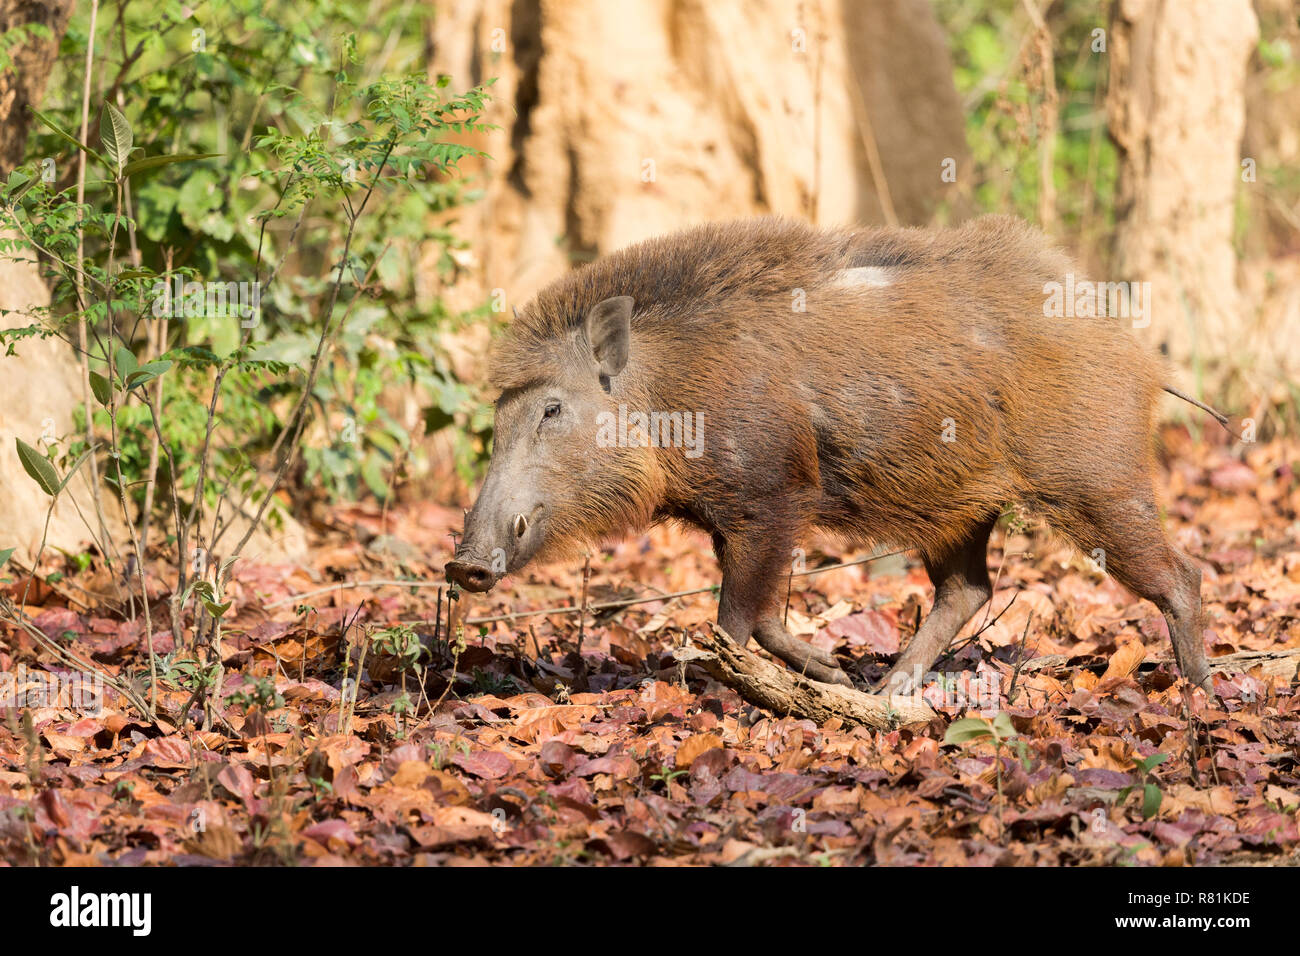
800	656
827	675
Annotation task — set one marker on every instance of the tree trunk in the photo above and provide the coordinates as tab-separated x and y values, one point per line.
23	83
1177	112
40	387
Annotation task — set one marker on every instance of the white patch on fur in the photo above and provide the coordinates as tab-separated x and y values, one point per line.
871	277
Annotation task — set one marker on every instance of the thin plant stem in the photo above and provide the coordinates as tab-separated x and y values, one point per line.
80	282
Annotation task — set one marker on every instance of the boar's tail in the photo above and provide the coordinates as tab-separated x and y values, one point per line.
1219	417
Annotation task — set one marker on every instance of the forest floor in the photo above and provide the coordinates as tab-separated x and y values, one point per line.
540	740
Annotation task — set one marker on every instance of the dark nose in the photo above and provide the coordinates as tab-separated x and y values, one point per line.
470	575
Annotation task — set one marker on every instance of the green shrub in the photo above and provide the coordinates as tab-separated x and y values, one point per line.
252	148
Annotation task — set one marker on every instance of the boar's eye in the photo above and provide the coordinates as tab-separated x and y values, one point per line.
551	410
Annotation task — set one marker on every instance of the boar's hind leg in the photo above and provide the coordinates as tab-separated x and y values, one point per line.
961	587
1138	555
752	573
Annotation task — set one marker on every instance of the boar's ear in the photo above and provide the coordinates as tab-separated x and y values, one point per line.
609	332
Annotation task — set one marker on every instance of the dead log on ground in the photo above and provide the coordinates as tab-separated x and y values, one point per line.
783	692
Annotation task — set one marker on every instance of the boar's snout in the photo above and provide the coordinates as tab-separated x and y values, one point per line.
493	546
471	575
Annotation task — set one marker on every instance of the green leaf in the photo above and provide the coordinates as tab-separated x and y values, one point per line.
968	728
68	137
1002	726
372	472
206	593
116	136
202	588
1147	764
216	610
126	363
436	418
19	184
5	555
73	470
101	387
153	162
1151	797
147	373
38	467
1022	749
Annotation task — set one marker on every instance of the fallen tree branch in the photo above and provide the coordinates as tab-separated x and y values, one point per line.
782	691
1274	663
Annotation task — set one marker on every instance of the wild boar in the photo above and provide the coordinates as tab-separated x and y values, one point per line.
890	386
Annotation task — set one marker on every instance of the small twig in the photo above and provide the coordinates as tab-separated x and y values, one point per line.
789	590
1191	743
869	146
455	664
82	324
582	616
348	585
356	684
1021	659
330	329
437	621
953	651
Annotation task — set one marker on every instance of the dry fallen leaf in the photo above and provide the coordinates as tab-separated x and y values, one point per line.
693	746
1125	661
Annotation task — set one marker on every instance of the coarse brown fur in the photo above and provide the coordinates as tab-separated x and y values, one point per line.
907	404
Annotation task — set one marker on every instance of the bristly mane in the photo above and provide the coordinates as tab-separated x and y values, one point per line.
699	269
674	275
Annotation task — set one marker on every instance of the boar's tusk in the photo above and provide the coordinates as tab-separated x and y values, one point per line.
520	526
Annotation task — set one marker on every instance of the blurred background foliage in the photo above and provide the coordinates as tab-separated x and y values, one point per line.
237	83
1004	94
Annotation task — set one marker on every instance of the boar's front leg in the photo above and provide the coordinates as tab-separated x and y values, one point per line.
753	569
802	656
961	587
